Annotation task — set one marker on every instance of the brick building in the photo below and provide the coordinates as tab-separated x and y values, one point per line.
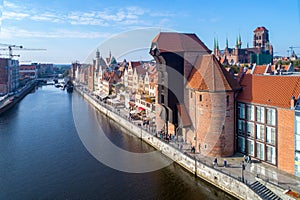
195	93
267	121
28	71
260	53
9	75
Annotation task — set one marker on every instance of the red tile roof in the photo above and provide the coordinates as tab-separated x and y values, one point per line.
260	29
179	42
269	90
259	69
208	74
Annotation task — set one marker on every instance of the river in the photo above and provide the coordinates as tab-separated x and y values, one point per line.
42	157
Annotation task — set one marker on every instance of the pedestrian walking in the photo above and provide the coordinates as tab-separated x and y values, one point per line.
215	161
225	162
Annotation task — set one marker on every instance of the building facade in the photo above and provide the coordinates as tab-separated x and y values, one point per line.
192	86
267	122
9	76
28	71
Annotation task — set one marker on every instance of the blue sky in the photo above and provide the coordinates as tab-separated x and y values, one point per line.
71	29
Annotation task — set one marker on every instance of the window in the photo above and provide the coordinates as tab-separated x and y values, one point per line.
271	116
162	99
271	154
260	151
227	100
260	131
297	163
241	110
271	135
241	144
191	94
200	97
297	145
250	147
250	129
297	127
250	112
260	114
241	127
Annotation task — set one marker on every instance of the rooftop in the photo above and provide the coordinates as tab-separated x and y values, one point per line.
273	90
208	74
179	42
262	28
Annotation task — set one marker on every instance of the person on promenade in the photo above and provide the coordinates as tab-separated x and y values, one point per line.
248	159
193	150
225	162
215	162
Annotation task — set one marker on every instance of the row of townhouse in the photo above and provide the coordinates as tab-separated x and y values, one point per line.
131	83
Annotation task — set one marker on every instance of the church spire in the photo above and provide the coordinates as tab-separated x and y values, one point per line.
214	43
226	42
240	41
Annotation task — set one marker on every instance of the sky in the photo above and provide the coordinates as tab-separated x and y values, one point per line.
71	30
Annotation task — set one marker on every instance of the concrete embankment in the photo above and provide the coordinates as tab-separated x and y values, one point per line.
223	181
13	100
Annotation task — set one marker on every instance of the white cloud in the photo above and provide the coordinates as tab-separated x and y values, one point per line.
13	15
16	32
48	17
121	18
10	5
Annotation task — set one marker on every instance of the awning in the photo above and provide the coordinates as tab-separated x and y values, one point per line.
103	96
134	112
140	108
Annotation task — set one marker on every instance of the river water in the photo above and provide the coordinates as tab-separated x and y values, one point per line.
42	157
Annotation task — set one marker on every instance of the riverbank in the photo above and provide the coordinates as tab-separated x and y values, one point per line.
12	100
229	180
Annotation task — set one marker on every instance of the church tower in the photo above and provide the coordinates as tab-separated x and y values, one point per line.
261	37
97	61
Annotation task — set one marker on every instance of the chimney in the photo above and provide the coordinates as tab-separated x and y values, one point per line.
293	102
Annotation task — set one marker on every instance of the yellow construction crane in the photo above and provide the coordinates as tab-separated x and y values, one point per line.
10	49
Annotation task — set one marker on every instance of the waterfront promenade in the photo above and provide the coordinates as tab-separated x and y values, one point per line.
255	171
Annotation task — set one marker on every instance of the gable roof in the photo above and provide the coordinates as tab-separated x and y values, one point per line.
179	42
209	75
269	90
259	69
260	29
